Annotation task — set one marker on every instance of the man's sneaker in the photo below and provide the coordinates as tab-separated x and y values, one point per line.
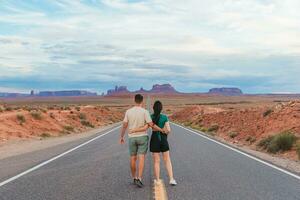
135	181
173	182
139	183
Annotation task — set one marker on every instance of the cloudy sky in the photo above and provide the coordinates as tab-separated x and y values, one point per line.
193	44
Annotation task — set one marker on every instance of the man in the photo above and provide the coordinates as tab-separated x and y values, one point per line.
137	117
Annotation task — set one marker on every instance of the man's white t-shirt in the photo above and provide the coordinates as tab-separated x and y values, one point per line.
137	117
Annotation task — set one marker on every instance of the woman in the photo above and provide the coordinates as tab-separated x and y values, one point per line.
159	142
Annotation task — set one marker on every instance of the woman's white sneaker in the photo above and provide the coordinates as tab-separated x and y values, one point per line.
173	182
157	182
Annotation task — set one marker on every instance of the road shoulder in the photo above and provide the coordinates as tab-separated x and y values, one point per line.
19	147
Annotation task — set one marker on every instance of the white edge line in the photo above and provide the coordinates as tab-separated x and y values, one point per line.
54	158
238	151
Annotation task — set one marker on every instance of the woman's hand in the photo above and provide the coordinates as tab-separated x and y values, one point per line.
140	129
132	131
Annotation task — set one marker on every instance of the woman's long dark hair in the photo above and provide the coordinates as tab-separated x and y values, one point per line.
157	108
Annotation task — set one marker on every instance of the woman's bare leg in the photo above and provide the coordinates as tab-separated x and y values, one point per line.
168	164
156	165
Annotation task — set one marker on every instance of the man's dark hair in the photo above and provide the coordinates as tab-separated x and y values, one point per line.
138	98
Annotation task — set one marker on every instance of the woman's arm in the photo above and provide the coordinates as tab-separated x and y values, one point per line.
157	128
167	128
140	129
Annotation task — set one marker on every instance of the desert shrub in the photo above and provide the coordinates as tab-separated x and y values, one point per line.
265	142
233	134
196	126
250	139
298	149
69	128
50	107
1	109
213	128
82	116
21	118
67	108
52	115
71	112
203	129
87	123
267	112
188	123
8	109
77	108
281	142
36	115
45	135
43	110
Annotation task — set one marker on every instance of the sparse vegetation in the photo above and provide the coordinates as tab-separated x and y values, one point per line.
82	116
52	115
21	118
298	148
77	108
267	112
69	128
43	110
233	134
36	115
45	135
213	128
188	123
281	142
50	107
203	129
250	139
8	109
265	142
87	123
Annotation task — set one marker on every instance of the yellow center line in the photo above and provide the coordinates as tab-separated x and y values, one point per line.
159	190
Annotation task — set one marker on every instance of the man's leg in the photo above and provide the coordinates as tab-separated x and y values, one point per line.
133	166
133	156
142	150
141	165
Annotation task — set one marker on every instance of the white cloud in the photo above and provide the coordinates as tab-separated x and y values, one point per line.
210	38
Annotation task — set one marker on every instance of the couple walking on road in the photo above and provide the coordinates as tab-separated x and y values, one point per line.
137	120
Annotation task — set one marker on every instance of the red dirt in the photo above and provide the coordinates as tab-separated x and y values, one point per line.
249	122
54	122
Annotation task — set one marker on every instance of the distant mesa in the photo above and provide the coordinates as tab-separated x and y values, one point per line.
119	90
12	95
156	89
164	88
159	89
66	93
49	94
226	91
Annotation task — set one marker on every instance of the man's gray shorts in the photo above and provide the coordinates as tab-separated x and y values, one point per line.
138	145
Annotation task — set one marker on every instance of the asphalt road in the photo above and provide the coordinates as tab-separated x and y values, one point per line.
100	170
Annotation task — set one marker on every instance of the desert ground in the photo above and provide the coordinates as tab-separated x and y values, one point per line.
41	118
250	121
269	124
